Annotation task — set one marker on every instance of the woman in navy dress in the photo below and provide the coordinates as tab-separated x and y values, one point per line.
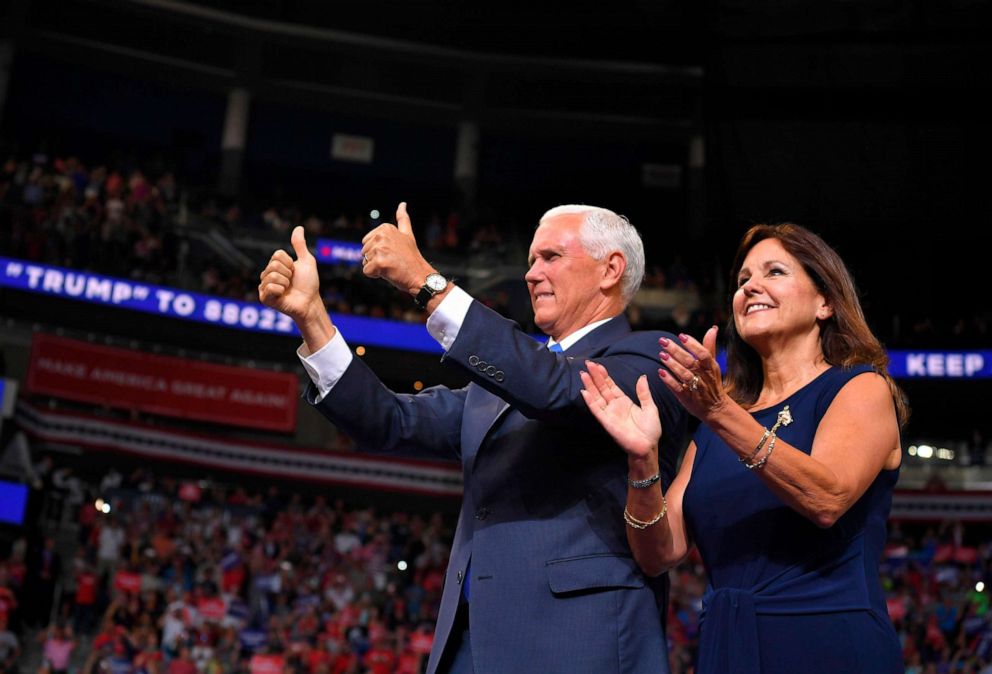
787	485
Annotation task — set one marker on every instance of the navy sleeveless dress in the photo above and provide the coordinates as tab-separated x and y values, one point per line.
784	595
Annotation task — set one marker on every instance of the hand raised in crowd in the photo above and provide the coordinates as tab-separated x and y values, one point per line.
693	374
291	287
390	252
637	429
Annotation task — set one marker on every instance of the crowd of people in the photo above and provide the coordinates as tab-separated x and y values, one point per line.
110	219
182	577
177	576
118	218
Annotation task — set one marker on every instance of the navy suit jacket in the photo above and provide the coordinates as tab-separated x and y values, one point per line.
554	587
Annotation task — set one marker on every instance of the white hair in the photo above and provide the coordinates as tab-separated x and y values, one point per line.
603	232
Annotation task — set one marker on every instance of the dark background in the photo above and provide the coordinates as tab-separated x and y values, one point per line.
867	122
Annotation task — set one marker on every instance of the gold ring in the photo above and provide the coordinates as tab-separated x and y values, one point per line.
365	259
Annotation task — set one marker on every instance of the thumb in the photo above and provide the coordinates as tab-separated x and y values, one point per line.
403	220
299	241
644	392
709	340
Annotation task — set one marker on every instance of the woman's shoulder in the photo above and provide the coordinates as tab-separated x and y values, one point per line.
837	377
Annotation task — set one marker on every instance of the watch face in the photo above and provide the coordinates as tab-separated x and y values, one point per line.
436	282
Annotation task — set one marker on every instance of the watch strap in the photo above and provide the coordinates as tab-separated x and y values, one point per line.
426	293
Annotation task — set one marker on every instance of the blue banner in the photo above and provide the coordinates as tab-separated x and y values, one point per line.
975	364
13	502
173	303
338	252
358	330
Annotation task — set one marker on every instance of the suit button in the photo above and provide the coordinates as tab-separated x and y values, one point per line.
491	370
459	576
482	365
499	376
482	513
473	360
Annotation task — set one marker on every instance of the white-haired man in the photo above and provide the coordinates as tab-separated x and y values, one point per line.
540	578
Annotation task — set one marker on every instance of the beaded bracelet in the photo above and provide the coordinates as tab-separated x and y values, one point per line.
645	483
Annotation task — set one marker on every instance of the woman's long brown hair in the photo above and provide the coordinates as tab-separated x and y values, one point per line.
845	337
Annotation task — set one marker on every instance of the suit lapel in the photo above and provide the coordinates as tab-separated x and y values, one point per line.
494	410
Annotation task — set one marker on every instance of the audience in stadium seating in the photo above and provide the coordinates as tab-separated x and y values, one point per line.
177	578
188	578
120	221
111	220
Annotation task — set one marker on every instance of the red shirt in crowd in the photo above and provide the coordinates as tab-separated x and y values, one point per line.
182	666
317	657
128	581
408	663
380	660
344	663
421	642
86	582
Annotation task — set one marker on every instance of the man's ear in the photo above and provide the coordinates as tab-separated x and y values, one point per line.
616	265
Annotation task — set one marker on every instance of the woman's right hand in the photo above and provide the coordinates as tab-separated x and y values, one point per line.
637	429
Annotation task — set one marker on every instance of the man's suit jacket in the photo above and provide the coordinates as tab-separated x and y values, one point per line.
554	587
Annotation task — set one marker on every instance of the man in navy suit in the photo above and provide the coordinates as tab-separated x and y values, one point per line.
541	577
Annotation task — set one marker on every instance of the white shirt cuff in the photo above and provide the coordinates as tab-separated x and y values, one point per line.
447	319
327	365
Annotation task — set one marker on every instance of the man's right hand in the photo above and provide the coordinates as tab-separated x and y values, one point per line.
293	288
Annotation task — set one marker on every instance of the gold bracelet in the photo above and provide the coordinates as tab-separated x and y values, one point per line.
759	464
761	443
638	524
784	419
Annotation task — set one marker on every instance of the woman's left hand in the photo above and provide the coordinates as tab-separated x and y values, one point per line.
693	374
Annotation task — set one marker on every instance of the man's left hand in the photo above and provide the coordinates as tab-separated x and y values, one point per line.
390	252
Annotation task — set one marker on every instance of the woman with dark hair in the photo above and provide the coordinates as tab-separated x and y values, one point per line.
787	485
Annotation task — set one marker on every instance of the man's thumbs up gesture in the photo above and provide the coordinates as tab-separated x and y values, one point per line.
293	288
289	286
390	252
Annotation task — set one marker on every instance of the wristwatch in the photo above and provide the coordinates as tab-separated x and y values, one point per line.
433	284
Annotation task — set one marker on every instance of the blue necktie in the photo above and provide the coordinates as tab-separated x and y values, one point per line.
554	348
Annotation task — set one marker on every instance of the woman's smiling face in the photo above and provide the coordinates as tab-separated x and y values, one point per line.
775	296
